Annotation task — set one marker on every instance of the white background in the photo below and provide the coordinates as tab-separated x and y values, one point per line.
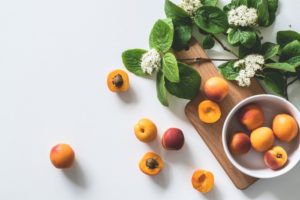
54	58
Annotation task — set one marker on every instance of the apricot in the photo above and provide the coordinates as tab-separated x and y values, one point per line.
209	111
203	181
285	127
275	158
262	139
151	164
216	88
252	116
173	139
62	156
240	143
118	81
145	130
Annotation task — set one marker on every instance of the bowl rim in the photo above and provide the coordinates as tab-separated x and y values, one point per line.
224	136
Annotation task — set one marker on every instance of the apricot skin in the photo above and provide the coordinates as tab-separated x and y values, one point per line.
252	117
62	156
240	143
216	89
262	139
285	127
145	130
173	139
275	158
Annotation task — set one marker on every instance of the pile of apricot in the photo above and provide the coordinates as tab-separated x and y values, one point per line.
262	138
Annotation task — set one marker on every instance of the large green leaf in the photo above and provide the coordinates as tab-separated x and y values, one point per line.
182	36
244	51
161	37
273	5
274	82
281	66
132	61
209	2
290	50
170	68
161	89
189	84
295	61
211	19
228	71
269	50
285	37
208	42
175	12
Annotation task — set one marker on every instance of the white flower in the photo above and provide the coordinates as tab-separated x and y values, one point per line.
150	61
242	16
249	65
190	6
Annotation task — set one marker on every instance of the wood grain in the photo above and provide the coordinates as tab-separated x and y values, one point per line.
212	134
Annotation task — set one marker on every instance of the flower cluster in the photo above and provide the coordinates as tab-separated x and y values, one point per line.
249	65
150	61
242	16
190	6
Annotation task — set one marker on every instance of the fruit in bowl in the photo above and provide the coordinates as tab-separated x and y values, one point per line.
285	127
252	116
262	139
240	143
275	158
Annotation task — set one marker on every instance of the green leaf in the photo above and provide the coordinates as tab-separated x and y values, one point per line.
244	51
209	2
175	12
273	5
170	68
208	42
233	36
281	66
290	50
189	84
269	50
182	36
295	61
132	61
274	82
228	71
285	37
262	11
161	89
238	36
238	3
211	19
161	37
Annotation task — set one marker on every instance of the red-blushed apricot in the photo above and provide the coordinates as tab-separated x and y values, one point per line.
275	158
173	139
62	156
216	88
252	116
240	143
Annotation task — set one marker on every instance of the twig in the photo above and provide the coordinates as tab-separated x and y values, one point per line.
199	59
292	81
286	88
223	46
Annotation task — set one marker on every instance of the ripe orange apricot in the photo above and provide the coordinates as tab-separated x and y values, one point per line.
151	164
203	181
62	156
118	81
275	158
145	130
216	88
209	111
252	116
262	139
285	127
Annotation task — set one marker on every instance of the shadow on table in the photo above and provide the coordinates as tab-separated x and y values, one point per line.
128	96
164	178
75	175
283	187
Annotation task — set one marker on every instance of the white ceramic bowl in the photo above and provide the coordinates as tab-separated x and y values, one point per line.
252	163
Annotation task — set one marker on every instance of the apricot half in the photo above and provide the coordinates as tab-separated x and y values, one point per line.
118	81
216	88
262	139
203	181
151	164
209	111
252	116
285	127
62	156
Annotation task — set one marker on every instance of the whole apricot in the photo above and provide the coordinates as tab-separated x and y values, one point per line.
209	111
275	158
62	156
151	164
285	127
203	181
240	143
252	116
118	81
145	130
173	139
262	139
216	88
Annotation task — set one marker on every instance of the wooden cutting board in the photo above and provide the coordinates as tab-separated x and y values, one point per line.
212	133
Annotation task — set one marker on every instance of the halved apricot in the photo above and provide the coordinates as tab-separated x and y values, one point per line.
151	164
118	81
203	181
209	111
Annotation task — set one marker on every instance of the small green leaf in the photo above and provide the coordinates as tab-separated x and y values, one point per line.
269	50
228	71
209	2
161	37
233	36
132	61
274	82
175	12
161	89
170	68
285	37
281	66
211	19
208	42
182	36
295	61
189	84
290	50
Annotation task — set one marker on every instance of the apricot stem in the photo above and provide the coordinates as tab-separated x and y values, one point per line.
279	155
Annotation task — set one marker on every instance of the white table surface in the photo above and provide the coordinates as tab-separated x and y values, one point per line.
54	58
